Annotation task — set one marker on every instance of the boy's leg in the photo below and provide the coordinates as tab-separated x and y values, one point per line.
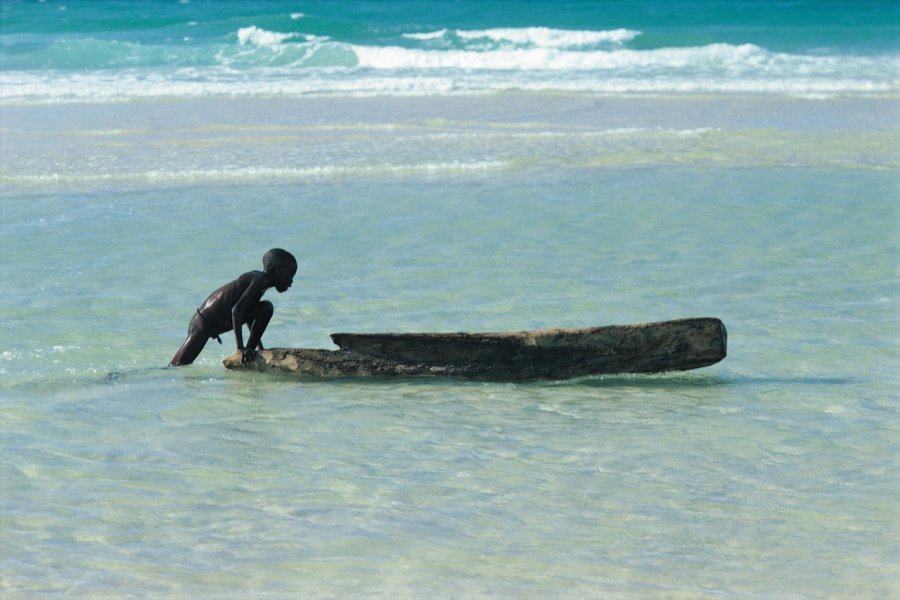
193	345
257	322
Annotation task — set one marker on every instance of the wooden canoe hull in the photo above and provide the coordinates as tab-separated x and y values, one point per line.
514	356
555	353
329	364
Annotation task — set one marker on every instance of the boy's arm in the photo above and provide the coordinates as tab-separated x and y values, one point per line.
251	296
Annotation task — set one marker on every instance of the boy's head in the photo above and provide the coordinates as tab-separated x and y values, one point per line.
281	266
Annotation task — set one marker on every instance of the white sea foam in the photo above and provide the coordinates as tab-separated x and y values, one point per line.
267	63
715	58
543	37
539	37
432	35
250	174
253	35
61	87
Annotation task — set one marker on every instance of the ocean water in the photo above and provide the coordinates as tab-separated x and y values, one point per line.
459	166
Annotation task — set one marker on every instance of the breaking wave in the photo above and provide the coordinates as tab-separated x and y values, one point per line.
255	61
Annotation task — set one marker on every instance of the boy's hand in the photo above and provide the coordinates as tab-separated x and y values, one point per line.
247	355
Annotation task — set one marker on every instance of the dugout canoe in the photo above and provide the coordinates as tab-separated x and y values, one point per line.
550	354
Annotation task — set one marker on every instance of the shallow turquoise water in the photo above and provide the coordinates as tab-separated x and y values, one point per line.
446	167
772	473
621	488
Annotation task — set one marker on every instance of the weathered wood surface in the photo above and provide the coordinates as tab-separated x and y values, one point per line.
514	356
316	363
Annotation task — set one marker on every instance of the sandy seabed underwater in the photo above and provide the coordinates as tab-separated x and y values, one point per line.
770	474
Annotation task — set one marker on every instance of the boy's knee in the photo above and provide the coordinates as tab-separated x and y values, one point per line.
266	308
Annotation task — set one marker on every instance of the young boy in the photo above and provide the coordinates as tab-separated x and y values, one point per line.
238	302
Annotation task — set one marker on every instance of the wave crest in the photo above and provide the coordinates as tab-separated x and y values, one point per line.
256	61
530	37
254	36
